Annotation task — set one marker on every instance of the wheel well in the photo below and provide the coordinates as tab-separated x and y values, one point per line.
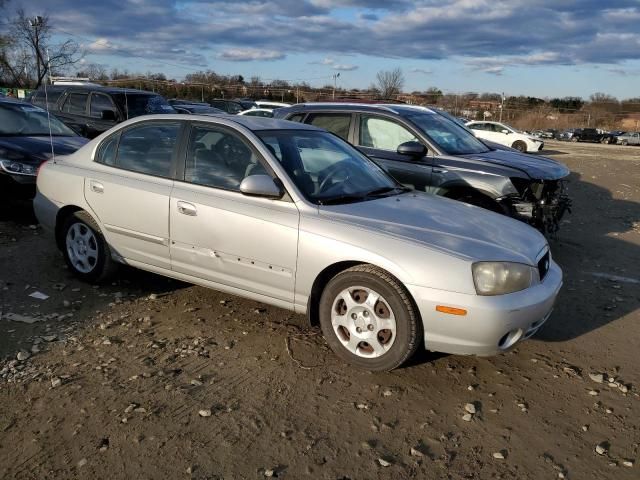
62	215
323	279
458	192
318	287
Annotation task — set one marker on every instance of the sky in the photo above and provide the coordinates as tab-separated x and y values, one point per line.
543	48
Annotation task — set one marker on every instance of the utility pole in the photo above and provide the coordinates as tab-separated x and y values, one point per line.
501	107
36	24
335	83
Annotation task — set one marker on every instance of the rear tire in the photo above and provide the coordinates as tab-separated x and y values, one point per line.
624	142
368	319
520	146
574	139
85	249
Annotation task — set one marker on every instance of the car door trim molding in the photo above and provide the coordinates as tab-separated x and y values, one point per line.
137	235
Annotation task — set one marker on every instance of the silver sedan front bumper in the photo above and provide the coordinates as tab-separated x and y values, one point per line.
492	324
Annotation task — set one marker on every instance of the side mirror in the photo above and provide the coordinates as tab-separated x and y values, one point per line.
505	131
412	149
261	186
108	115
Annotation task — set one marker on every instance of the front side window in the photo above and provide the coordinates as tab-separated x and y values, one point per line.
337	123
148	148
100	103
136	104
450	137
296	118
383	134
219	158
76	103
325	168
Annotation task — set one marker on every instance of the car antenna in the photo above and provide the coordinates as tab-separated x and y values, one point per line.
126	103
46	101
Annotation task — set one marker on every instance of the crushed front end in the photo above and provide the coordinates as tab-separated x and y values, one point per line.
541	203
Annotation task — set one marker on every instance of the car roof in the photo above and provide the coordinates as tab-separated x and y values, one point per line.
90	88
10	100
249	122
399	109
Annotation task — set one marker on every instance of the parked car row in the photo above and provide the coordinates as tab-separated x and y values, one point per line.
348	200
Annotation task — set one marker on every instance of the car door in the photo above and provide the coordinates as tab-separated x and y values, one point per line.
99	103
130	187
73	111
379	137
221	235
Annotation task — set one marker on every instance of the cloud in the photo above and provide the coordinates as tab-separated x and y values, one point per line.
250	54
484	35
344	67
424	71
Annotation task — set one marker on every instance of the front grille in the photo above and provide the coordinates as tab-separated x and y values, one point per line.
543	266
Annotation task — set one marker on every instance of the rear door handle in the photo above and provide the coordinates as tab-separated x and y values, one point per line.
187	208
96	187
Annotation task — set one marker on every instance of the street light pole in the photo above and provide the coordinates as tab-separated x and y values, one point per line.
335	83
501	106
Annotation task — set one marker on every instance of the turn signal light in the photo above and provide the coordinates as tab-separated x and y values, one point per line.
451	310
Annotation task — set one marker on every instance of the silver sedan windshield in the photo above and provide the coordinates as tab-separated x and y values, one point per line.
326	169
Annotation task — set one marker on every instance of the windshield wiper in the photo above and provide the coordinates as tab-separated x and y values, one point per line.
381	191
338	199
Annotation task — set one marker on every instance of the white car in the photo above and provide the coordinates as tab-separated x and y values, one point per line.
506	135
258	112
271	105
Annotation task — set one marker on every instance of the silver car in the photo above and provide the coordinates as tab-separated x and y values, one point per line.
292	216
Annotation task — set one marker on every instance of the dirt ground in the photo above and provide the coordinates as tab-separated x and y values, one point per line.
152	378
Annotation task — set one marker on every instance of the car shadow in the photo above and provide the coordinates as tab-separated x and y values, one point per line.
601	268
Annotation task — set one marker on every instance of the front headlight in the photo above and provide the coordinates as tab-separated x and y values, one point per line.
500	278
18	168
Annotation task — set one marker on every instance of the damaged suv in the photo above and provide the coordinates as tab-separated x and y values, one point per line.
422	148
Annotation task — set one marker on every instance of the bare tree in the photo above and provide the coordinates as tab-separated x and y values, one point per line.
389	82
93	71
29	56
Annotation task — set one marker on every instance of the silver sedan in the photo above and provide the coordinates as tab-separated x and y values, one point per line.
292	216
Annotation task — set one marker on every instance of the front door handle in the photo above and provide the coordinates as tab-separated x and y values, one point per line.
440	170
96	187
187	208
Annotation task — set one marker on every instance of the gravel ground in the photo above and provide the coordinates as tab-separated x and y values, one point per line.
152	378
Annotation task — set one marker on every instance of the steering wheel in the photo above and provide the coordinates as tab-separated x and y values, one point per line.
331	172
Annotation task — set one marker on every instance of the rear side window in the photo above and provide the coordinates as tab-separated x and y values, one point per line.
76	103
107	150
296	118
337	123
147	148
49	100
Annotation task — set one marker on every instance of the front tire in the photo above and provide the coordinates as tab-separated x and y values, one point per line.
624	143
368	319
520	146
85	249
574	139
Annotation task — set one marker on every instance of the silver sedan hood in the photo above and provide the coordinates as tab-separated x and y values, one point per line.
447	225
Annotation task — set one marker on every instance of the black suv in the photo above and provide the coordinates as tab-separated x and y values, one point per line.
230	106
424	149
589	135
91	110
